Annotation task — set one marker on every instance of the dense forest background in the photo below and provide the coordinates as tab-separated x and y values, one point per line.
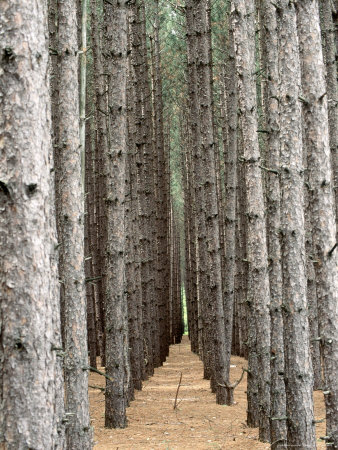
167	167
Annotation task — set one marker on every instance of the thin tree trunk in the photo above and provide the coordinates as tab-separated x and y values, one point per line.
70	208
271	94
315	108
197	164
116	319
163	257
230	208
330	52
100	147
243	16
31	393
298	369
204	76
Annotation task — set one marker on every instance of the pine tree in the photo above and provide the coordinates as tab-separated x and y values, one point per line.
298	370
316	139
243	16
116	314
31	390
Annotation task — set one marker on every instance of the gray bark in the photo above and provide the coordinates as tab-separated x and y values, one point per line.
70	210
30	360
243	16
197	164
330	51
271	93
208	181
298	369
315	108
230	206
116	320
100	87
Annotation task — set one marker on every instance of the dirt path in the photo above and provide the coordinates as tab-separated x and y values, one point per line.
198	423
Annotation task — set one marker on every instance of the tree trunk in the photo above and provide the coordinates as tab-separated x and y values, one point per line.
100	87
208	181
243	16
330	51
298	369
30	370
197	165
162	193
271	94
315	109
116	320
230	208
70	209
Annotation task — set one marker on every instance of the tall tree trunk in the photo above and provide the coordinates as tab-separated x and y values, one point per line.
30	357
162	237
298	370
142	151
330	52
100	87
134	291
70	210
315	108
230	208
271	94
197	167
243	17
89	244
208	180
116	319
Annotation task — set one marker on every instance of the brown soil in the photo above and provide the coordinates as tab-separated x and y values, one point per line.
198	423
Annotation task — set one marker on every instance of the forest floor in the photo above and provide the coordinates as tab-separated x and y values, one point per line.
197	423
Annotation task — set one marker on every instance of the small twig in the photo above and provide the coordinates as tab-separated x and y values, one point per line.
92	279
333	249
269	170
97	387
318	421
178	388
92	369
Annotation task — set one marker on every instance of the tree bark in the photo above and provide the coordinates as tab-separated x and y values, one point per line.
270	50
298	369
230	208
100	87
31	408
243	16
197	166
316	136
208	181
330	51
70	209
116	319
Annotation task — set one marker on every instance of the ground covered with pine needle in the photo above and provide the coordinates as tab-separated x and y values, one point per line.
197	422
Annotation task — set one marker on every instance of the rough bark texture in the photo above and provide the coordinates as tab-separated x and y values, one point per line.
298	370
162	194
230	208
197	164
134	293
271	93
208	181
100	87
330	52
315	109
116	321
243	16
31	408
70	210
